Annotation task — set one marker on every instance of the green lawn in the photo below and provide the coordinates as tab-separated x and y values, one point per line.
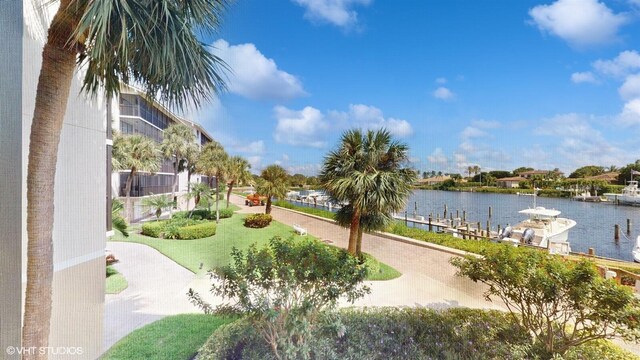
176	337
115	282
307	210
212	251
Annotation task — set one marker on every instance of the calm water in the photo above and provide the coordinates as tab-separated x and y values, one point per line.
595	221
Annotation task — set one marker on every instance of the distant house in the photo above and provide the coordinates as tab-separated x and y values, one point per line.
433	180
545	174
510	182
610	177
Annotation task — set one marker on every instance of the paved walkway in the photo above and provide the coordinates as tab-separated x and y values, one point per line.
157	287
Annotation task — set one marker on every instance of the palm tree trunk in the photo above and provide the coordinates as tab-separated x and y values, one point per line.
229	192
189	189
173	189
127	192
54	83
353	231
267	208
359	242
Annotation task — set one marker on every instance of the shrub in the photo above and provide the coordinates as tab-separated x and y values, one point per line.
153	228
284	287
197	231
224	213
563	304
198	214
257	221
385	333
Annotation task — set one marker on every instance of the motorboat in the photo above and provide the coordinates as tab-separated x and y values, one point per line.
636	250
543	228
630	194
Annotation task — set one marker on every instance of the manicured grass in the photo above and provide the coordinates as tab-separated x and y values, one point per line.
176	337
115	282
379	271
307	210
212	251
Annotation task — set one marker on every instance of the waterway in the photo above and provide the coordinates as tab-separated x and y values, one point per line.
595	221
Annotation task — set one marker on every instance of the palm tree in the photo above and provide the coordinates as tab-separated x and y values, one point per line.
177	141
117	221
237	172
134	153
273	183
199	192
152	43
212	163
158	204
368	172
188	163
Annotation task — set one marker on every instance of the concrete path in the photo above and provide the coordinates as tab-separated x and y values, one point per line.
157	288
427	277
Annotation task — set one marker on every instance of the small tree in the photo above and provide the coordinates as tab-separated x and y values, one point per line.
273	183
201	192
561	303
157	204
282	289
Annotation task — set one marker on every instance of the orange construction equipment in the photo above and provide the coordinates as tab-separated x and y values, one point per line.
255	199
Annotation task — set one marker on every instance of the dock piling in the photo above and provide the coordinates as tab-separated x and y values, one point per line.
430	226
490	212
444	216
616	232
628	226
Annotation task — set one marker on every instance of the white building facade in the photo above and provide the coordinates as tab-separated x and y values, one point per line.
80	229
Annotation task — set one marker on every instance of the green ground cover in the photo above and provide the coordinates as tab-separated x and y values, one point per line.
307	210
212	251
115	282
173	338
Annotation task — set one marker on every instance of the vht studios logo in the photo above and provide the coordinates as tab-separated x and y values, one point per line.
48	350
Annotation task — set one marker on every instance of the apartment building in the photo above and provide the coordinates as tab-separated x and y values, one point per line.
134	113
79	230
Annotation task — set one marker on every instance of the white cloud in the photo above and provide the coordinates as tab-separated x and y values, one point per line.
443	93
336	12
370	117
255	162
571	124
630	89
441	80
300	128
471	132
578	143
579	22
626	62
438	157
256	76
255	147
305	169
631	113
583	77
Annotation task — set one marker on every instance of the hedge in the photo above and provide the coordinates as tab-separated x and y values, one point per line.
153	228
224	213
257	221
404	333
197	231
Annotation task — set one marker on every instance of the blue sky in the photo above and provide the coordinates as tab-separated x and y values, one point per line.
498	84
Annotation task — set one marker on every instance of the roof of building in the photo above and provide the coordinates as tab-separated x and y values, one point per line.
539	172
610	176
516	178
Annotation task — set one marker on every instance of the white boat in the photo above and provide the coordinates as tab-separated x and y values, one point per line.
543	228
630	194
636	250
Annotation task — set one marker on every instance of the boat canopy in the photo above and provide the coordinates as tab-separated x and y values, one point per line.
541	212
